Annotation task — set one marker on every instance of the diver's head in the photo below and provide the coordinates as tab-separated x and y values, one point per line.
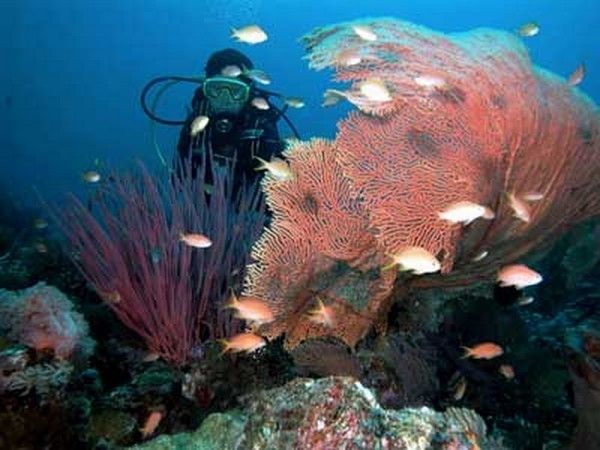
226	57
226	95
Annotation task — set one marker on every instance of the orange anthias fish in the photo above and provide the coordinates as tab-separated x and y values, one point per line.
332	97
110	296
195	240
520	208
151	424
465	212
40	223
250	309
519	276
577	76
243	342
415	259
532	196
460	389
485	350
324	315
277	167
365	32
507	371
251	34
479	256
348	57
375	90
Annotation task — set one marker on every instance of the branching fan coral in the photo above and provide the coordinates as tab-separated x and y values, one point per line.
470	119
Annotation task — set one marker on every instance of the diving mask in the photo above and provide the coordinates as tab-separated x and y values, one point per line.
225	94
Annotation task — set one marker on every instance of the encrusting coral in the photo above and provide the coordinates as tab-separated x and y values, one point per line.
469	119
331	413
42	318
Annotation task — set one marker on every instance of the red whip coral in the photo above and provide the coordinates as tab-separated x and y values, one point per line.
469	119
169	293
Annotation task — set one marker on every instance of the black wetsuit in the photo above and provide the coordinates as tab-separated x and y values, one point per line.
253	132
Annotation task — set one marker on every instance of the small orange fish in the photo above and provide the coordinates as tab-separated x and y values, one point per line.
195	240
250	34
348	57
375	90
40	223
460	389
485	350
465	212
430	82
277	167
526	301
324	315
251	309
91	176
365	32
416	259
519	207
41	248
479	256
332	97
577	76
260	103
529	29
244	342
507	371
110	297
532	196
151	424
150	357
518	275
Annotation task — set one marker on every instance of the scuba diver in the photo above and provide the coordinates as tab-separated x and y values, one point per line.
241	120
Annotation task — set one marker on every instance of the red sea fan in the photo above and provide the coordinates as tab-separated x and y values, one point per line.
130	252
470	119
318	228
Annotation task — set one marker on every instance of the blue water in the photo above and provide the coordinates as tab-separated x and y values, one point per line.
71	70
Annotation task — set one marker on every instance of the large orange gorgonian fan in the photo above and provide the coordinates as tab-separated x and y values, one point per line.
469	119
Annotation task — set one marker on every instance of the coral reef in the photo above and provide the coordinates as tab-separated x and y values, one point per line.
334	412
583	355
43	318
46	380
495	125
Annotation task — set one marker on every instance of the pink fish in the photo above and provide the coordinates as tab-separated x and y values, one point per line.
485	350
519	207
322	314
151	424
532	196
577	76
251	309
507	371
195	240
244	342
518	275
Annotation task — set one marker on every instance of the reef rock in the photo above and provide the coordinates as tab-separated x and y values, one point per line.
583	356
43	318
330	413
